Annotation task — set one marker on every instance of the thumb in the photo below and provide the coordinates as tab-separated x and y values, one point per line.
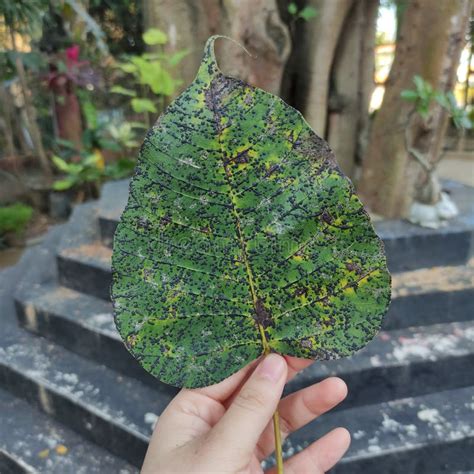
253	407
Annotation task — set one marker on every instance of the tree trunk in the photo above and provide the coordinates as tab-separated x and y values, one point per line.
187	24
67	111
253	23
352	83
30	112
5	99
314	60
430	41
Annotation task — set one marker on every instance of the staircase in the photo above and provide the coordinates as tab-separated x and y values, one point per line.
73	400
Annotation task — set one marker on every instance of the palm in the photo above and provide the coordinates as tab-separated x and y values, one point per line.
190	418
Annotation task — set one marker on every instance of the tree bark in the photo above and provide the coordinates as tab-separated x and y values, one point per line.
253	23
7	122
30	113
67	111
430	41
320	37
352	83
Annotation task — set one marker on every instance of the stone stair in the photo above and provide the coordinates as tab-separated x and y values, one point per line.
411	391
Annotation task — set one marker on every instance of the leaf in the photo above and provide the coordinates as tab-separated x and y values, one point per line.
64	184
60	163
177	57
292	8
143	105
123	91
128	67
409	95
241	236
419	82
308	13
155	36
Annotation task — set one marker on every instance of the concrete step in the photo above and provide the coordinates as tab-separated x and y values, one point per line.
81	323
430	434
401	363
396	364
109	409
31	442
118	414
425	296
86	268
408	246
431	295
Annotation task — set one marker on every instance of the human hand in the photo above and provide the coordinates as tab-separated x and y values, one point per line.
227	427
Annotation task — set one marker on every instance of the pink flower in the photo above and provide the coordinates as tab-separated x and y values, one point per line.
72	53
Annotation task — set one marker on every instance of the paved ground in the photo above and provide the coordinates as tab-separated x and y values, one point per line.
458	167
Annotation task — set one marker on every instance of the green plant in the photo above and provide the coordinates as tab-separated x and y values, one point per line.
424	95
23	15
87	170
90	169
98	137
151	75
14	218
306	13
241	237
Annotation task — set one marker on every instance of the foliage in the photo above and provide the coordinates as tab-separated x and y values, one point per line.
33	62
241	236
121	21
424	95
97	138
22	15
89	169
150	73
306	13
14	218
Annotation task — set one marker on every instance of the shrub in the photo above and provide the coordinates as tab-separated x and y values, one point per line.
14	218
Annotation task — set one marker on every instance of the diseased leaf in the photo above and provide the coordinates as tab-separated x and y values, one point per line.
241	236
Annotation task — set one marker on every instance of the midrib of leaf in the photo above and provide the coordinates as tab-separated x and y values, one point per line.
242	241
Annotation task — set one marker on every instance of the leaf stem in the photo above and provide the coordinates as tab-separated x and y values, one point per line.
276	423
278	449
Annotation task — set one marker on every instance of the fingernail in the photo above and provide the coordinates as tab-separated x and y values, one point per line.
271	367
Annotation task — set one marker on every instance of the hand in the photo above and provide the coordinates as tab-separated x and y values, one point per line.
227	427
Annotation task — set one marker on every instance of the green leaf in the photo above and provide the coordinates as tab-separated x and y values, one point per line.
308	13
409	95
241	236
127	67
143	105
419	82
64	184
90	114
292	8
65	143
60	163
123	91
177	57
155	36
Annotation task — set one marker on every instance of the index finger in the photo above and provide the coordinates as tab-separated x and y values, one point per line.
225	390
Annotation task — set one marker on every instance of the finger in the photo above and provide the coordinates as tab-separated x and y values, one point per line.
223	390
294	366
320	456
252	408
301	407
